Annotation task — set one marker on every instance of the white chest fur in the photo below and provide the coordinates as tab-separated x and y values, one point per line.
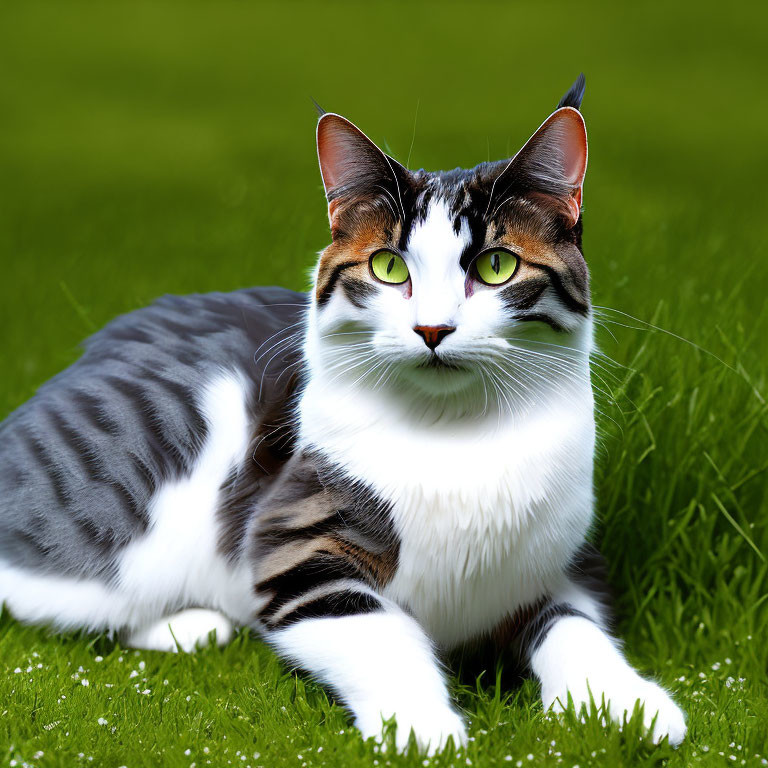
488	516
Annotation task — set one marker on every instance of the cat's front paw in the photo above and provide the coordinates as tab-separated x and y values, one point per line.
431	726
661	716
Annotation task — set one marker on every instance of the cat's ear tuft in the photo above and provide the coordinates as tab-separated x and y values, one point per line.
553	162
575	94
318	108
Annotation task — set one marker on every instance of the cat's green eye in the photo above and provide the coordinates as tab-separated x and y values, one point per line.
389	267
496	267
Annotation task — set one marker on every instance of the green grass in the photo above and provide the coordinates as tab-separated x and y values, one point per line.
168	147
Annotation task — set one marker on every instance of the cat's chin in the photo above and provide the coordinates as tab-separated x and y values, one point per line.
438	378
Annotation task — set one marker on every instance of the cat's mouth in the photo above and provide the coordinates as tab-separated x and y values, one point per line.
438	363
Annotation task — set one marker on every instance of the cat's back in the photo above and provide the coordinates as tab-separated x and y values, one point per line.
81	460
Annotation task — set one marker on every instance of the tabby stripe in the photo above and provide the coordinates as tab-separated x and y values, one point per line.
565	295
274	536
42	455
330	284
336	604
152	425
29	539
195	423
92	532
525	294
78	447
338	585
541	317
93	409
319	569
357	291
412	214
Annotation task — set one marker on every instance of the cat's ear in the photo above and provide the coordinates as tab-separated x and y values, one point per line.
350	163
553	162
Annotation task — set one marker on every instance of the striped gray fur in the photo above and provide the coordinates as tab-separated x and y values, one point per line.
80	461
320	543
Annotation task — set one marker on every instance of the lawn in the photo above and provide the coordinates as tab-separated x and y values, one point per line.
148	148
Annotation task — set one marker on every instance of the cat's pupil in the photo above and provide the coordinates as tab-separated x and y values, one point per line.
495	263
390	265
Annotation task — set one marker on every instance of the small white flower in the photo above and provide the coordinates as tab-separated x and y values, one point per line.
84	683
102	721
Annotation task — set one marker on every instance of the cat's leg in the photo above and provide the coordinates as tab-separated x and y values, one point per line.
186	630
377	659
571	652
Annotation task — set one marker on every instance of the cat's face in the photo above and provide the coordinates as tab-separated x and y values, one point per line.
440	281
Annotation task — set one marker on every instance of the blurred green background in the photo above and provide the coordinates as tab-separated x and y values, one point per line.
163	147
156	147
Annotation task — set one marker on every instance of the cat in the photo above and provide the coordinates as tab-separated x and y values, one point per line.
393	466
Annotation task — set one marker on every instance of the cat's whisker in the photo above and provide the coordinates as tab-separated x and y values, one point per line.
288	367
651	326
343	333
284	351
602	325
282	345
286	329
594	358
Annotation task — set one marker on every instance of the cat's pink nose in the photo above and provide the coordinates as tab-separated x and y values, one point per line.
433	334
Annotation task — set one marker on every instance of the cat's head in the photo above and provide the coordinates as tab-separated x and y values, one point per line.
439	281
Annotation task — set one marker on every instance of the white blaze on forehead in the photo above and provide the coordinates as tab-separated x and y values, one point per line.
434	239
433	253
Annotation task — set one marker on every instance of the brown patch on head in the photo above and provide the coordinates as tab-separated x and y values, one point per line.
359	228
533	228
